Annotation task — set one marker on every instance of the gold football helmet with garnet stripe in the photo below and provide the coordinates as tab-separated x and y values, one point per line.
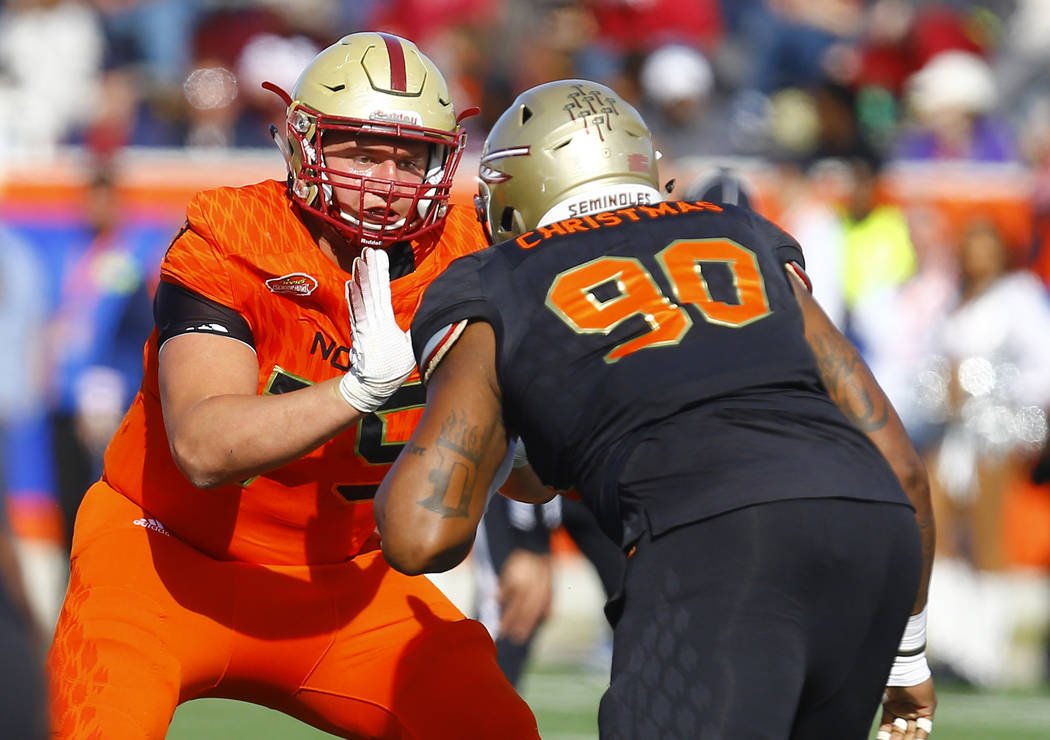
371	84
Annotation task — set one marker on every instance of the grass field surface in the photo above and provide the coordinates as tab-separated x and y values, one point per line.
570	673
565	700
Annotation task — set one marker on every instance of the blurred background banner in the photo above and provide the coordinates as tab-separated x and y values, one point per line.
905	144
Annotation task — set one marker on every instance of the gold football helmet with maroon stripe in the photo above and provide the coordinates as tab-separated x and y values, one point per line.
371	84
563	149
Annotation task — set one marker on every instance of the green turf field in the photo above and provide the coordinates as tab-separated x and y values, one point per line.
565	701
564	693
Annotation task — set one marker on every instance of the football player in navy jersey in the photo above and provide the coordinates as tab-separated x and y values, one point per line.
666	360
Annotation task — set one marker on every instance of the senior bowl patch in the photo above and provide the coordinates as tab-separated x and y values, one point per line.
297	283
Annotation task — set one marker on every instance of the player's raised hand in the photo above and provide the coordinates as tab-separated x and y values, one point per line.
380	352
907	712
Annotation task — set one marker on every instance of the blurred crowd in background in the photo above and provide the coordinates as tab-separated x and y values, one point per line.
805	79
822	101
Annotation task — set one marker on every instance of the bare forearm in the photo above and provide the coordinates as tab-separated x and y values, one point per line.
429	505
916	485
928	533
227	438
422	514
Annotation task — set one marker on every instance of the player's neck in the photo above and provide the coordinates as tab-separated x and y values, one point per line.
333	243
340	251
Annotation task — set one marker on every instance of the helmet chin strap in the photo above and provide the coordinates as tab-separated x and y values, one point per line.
435	173
370	226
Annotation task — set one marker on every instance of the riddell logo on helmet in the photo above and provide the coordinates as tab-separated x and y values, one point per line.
396	116
297	283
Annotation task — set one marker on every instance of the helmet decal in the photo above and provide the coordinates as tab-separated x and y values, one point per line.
492	175
398	72
594	107
637	163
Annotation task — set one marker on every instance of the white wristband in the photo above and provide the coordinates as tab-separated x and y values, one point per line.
909	670
366	396
910	666
914	637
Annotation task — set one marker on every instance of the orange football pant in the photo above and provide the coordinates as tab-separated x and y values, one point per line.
355	648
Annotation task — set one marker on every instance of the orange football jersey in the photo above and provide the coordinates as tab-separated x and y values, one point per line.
247	249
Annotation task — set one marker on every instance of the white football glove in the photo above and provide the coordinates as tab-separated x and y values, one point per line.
380	353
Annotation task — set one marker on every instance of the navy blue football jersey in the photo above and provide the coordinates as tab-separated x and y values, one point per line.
654	358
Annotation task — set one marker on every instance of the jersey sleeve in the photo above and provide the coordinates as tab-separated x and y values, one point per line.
178	310
785	246
196	260
450	302
437	346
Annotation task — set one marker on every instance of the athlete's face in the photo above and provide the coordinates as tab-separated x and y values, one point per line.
378	175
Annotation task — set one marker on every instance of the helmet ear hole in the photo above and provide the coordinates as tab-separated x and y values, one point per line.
526	114
506	219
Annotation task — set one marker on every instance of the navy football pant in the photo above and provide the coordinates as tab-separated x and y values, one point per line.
775	621
23	713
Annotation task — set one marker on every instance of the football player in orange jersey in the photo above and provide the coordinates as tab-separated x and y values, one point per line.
229	549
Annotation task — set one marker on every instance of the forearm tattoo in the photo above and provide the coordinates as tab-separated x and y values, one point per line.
459	448
845	378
